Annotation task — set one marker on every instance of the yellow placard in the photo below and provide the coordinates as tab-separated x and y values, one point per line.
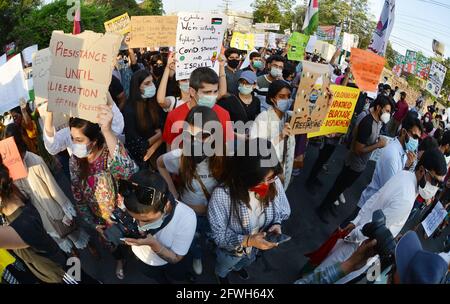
120	24
5	260
245	42
341	111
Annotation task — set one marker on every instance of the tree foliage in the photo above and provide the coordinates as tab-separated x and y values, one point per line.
274	11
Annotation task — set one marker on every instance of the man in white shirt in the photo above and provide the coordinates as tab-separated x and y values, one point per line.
395	199
166	226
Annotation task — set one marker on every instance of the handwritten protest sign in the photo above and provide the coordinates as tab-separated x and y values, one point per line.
376	154
296	46
340	112
434	219
13	86
11	158
311	43
80	72
42	61
153	31
349	41
312	101
366	69
199	41
260	40
245	42
28	53
120	24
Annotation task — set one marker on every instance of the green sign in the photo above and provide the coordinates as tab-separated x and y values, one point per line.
296	46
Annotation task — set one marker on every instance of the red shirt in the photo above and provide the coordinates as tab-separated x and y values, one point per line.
180	114
402	110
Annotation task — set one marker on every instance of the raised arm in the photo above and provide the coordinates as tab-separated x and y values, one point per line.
161	95
222	78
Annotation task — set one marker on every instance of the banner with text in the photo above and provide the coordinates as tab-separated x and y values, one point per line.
81	72
341	111
13	85
199	41
153	31
366	69
326	32
312	101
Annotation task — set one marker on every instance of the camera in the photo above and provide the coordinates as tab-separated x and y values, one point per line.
377	230
124	226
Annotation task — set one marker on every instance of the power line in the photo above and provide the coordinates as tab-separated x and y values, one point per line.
440	4
422	19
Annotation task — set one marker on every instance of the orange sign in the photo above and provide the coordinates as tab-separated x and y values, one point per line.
11	159
366	69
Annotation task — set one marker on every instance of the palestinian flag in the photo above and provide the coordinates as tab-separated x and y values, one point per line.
216	21
77	23
311	17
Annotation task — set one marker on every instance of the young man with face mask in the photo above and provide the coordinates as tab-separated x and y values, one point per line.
204	90
232	71
275	65
395	199
400	154
166	226
365	140
256	64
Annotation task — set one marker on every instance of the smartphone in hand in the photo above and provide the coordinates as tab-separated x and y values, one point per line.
277	238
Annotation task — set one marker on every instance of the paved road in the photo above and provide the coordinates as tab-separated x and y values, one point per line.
283	264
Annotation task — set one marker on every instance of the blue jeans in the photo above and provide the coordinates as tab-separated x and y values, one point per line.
202	229
226	262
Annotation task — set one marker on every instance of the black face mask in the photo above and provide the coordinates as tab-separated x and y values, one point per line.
158	70
197	146
233	63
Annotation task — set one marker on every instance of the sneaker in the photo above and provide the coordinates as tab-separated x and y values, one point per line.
336	203
222	281
342	198
243	274
197	266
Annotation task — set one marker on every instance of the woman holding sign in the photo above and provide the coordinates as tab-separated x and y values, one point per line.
273	125
98	160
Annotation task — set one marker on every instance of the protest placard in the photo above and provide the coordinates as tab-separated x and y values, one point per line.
341	111
311	43
349	41
312	101
28	53
434	219
326	32
11	158
120	24
267	26
199	42
41	72
436	78
296	46
376	154
153	31
2	59
366	69
80	72
245	42
260	40
12	83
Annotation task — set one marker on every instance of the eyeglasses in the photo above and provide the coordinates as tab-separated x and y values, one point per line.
199	136
434	181
145	195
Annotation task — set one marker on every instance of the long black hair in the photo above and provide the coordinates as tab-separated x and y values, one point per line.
274	88
143	107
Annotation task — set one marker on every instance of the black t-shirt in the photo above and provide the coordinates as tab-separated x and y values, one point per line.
28	225
115	89
239	111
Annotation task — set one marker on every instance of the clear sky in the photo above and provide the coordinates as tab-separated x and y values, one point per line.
417	21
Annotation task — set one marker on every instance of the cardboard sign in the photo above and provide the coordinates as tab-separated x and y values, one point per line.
436	78
312	101
28	53
11	158
120	24
13	85
366	69
153	31
434	219
341	111
80	72
245	42
60	121
260	40
311	43
199	42
296	46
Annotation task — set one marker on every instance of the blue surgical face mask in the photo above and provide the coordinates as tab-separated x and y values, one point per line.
412	144
245	90
184	86
155	225
207	100
257	64
283	105
149	91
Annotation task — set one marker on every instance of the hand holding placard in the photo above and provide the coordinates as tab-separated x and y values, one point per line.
11	159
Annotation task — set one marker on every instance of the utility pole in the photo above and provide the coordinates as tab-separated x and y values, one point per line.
226	5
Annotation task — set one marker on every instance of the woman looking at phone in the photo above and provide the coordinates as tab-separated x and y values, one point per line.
250	204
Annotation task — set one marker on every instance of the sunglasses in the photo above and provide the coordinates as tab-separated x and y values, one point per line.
415	136
199	136
145	195
434	181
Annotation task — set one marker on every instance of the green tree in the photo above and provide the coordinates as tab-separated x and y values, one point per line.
152	7
390	56
274	11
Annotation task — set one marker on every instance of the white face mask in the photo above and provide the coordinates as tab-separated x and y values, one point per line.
80	150
428	191
385	117
155	225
